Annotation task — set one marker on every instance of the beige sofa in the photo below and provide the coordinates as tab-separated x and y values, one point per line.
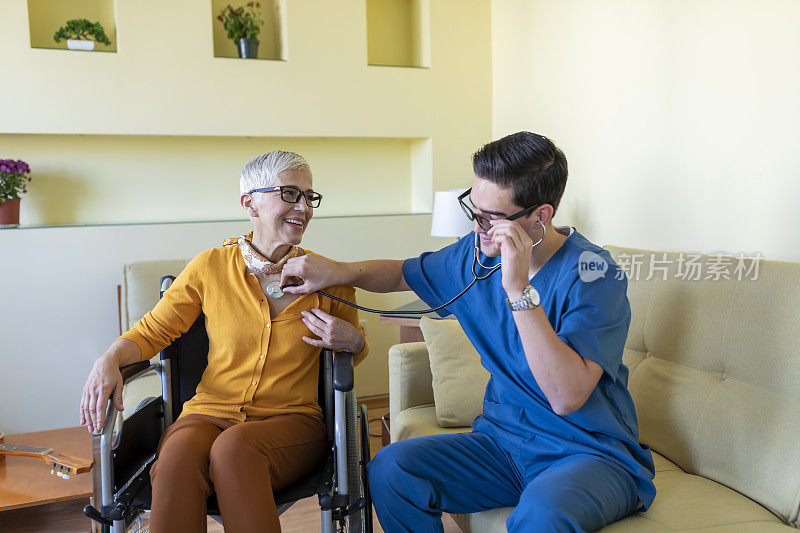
715	376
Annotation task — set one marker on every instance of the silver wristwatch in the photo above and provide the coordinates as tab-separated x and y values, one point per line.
529	300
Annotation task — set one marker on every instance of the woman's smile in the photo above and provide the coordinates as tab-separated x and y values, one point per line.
295	222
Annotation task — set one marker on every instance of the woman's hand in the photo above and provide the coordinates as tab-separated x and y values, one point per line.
104	380
515	255
333	332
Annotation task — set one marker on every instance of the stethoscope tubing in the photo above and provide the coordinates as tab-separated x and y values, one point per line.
475	277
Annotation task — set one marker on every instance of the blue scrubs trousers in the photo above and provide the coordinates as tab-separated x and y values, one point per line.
413	481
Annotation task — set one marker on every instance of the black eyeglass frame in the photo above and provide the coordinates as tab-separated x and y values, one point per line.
310	202
472	215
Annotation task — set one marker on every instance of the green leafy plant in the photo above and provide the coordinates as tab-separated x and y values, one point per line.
14	179
242	22
82	30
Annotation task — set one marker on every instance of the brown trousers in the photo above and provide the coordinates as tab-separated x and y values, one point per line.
243	463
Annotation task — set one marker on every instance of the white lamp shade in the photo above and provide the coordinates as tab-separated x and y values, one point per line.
448	218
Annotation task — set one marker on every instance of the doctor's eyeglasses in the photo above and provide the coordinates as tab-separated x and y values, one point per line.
291	194
483	222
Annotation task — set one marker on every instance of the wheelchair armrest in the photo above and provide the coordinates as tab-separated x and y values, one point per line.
131	372
343	371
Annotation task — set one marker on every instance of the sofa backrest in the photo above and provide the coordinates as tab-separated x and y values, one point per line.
715	369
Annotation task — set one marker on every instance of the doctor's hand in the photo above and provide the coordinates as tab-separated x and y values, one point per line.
515	255
308	273
333	332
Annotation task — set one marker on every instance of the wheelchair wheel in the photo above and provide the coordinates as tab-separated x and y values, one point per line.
355	521
140	524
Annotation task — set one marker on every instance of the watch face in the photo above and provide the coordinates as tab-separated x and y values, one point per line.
533	294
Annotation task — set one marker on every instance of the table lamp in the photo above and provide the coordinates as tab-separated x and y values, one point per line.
448	219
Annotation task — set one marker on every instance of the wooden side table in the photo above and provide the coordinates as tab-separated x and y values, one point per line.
409	324
28	492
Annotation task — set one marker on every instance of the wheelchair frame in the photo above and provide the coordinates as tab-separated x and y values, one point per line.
343	489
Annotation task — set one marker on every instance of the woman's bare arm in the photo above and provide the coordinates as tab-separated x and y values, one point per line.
104	381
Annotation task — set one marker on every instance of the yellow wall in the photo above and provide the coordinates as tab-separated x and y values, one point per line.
47	16
130	178
389	32
680	119
398	33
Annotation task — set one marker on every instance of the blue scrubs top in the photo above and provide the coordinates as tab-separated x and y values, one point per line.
590	315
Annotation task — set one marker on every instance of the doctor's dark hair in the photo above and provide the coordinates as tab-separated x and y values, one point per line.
527	163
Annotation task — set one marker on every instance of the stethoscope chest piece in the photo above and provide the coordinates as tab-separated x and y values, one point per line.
274	290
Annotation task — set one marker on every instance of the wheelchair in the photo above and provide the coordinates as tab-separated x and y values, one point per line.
123	453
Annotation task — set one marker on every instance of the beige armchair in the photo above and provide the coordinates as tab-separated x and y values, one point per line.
139	294
715	376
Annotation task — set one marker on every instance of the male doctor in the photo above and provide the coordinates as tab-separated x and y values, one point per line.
558	437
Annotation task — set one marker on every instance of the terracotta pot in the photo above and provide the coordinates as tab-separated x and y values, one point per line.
9	213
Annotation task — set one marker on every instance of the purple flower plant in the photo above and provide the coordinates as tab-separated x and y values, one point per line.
14	177
14	167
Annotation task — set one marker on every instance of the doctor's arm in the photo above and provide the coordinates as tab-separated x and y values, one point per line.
566	378
311	272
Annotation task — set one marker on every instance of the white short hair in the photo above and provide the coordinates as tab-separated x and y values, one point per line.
262	170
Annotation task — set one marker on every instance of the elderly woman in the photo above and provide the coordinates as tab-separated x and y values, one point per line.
254	425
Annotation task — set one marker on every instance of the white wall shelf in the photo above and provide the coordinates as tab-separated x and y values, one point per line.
216	221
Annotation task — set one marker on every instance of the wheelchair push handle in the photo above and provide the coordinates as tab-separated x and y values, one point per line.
343	371
166	282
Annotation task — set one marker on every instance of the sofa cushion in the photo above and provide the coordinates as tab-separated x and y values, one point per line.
459	380
684	503
420	421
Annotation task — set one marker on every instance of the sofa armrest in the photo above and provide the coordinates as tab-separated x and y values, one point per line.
409	377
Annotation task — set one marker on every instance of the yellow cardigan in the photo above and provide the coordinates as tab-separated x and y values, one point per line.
258	365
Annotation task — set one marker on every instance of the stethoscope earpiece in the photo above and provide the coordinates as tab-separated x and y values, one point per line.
544	232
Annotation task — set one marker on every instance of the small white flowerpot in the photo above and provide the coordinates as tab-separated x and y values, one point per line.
77	44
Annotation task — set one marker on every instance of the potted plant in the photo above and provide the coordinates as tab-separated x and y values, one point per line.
243	26
78	33
14	179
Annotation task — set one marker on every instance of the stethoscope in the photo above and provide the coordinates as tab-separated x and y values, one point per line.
274	289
